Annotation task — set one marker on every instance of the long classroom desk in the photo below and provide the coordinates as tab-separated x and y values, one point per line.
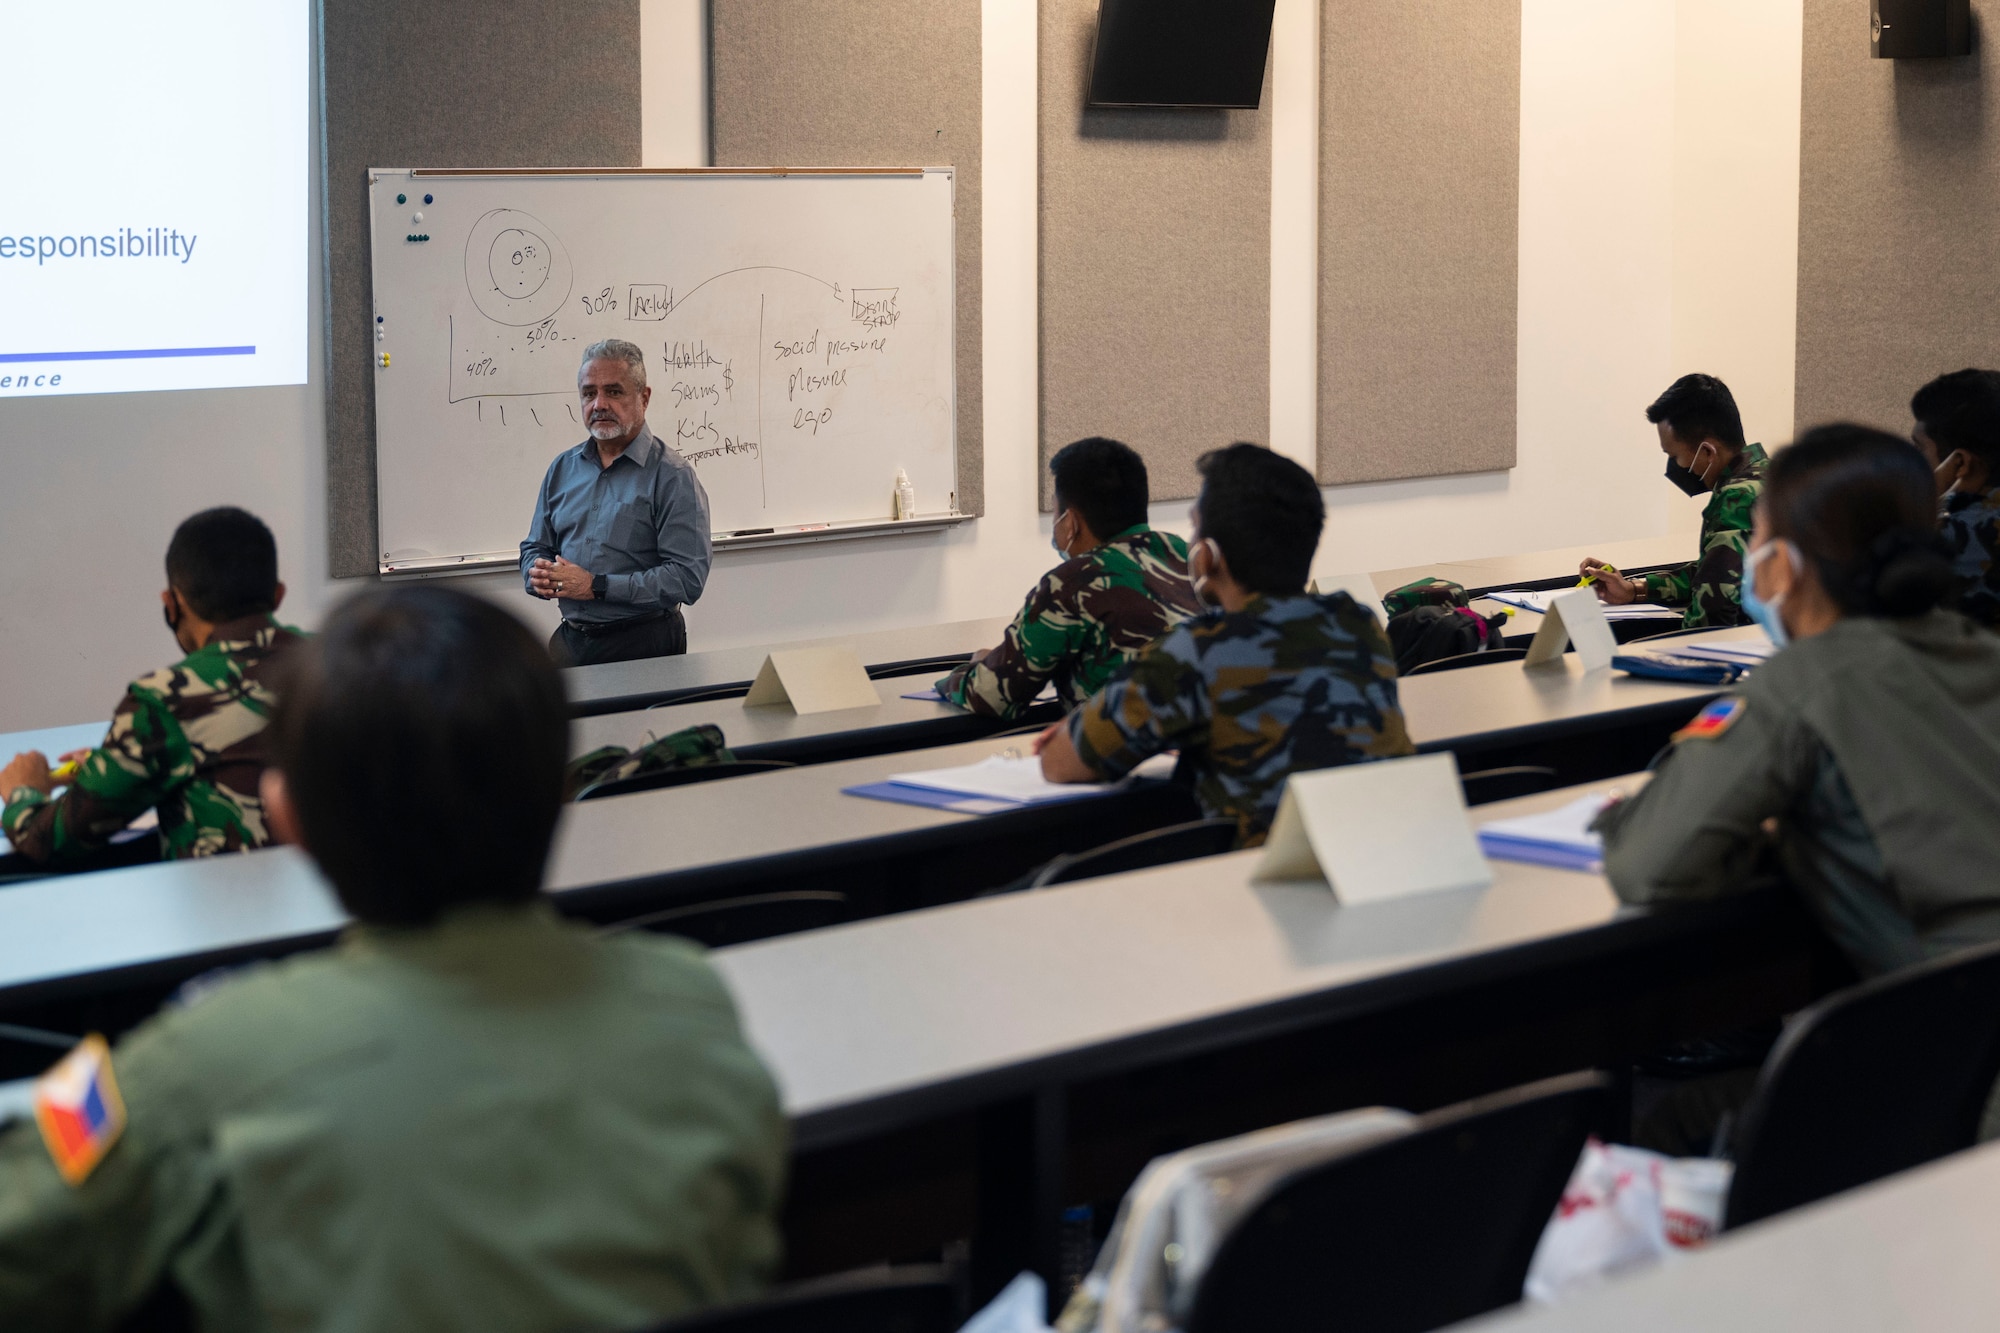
105	948
970	1070
774	731
1910	1254
621	687
618	687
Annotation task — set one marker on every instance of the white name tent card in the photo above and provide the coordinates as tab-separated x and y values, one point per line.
1574	617
1376	830
813	680
1361	587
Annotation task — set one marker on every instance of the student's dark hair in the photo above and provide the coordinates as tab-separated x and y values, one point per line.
1962	411
1860	504
224	564
1265	512
1104	481
422	735
1697	408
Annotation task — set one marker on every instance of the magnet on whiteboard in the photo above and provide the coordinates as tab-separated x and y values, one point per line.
427	199
385	360
381	335
416	217
402	199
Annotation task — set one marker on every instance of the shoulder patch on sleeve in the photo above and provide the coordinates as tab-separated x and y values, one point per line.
1713	720
79	1109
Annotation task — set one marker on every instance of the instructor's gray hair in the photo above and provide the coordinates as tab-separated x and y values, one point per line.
616	349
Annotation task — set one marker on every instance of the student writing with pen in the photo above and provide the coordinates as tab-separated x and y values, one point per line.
1701	433
187	740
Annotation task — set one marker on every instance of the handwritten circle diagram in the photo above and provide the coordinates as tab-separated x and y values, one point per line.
516	268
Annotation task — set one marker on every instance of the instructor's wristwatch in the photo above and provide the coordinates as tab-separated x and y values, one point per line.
598	583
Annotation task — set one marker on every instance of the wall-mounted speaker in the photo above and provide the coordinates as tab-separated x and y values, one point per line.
1908	29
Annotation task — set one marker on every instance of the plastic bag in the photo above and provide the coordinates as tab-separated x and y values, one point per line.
1017	1309
1626	1208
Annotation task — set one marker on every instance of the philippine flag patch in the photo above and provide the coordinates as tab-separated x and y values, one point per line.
79	1109
1712	721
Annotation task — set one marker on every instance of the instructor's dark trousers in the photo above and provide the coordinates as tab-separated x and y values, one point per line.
621	641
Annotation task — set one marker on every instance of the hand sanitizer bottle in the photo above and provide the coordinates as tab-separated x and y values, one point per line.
906	496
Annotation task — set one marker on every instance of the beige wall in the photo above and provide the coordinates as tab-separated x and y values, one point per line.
93	486
1899	218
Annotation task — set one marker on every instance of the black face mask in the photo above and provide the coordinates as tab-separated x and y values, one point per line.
1686	479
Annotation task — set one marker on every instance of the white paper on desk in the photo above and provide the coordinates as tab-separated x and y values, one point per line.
813	680
1575	616
1018	779
1566	827
1525	600
1377	830
1740	652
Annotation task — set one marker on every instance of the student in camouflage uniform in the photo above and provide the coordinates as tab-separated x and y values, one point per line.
186	740
467	1115
1121	586
1958	430
1701	432
1268	682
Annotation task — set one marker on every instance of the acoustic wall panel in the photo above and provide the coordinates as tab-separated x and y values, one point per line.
864	83
445	83
1899	189
1419	237
1155	268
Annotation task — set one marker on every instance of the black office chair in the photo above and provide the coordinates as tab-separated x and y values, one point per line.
681	777
1155	847
1872	1080
938	664
910	1299
1420	1231
1504	784
754	916
1464	660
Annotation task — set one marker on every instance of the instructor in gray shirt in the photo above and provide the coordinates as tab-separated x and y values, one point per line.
620	534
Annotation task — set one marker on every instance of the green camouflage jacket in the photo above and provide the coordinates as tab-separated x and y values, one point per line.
1711	588
187	741
1084	620
1971	527
1249	697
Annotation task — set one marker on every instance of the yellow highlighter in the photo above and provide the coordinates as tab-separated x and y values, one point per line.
63	773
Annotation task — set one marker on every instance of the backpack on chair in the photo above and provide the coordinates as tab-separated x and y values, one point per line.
1433	633
690	747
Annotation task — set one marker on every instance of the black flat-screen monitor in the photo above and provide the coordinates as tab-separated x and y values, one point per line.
1180	53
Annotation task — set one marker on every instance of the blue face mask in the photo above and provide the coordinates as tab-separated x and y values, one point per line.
1763	612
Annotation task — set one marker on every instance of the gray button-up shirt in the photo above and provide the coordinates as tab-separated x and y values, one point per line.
642	522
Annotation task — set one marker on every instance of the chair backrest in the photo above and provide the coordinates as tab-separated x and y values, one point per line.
1420	1231
754	916
909	1299
1504	784
1156	847
681	777
1463	660
1872	1080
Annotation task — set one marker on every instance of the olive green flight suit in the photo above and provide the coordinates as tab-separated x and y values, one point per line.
1876	748
496	1123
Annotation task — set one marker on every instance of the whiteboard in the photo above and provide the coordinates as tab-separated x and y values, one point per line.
797	327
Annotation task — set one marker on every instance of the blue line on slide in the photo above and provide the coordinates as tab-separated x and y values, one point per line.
135	354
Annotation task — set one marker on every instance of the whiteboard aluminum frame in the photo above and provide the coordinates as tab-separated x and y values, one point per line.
803	534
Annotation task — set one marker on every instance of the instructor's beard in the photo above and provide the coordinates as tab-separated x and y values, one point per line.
606	428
